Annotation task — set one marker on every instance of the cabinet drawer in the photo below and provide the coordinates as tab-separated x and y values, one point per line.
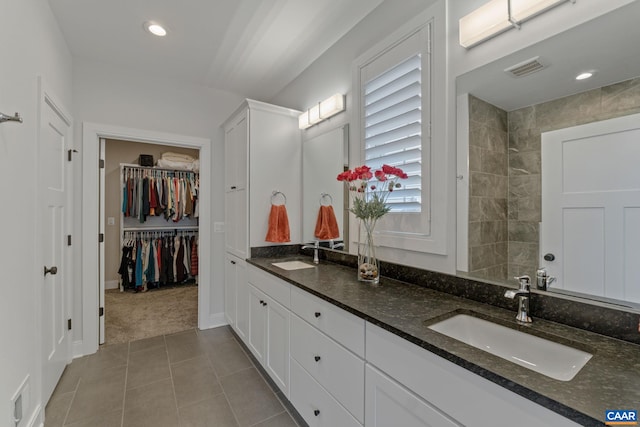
316	406
277	289
338	370
390	404
340	325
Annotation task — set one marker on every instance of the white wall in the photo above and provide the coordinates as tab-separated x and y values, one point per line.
547	25
32	46
333	72
113	96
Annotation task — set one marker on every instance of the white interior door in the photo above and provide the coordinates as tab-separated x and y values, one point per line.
591	208
101	269
53	142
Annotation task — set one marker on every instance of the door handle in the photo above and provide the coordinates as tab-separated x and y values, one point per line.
53	270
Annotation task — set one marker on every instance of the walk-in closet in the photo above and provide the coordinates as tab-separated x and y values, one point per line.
151	213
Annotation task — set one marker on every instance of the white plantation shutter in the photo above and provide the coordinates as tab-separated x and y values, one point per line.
393	129
394	98
399	113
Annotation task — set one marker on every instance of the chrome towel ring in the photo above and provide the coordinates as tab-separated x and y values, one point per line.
275	194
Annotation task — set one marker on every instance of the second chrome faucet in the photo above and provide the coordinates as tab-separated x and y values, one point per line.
522	293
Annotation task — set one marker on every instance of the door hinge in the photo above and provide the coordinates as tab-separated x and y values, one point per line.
101	311
100	237
68	239
101	163
70	153
68	324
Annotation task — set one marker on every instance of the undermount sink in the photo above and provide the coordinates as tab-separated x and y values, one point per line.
546	357
292	265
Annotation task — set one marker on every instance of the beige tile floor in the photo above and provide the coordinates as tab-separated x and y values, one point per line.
189	379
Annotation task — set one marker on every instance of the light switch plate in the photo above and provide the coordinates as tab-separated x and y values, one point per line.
218	227
111	221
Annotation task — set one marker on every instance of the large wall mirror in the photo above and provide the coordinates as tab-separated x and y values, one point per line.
513	135
324	156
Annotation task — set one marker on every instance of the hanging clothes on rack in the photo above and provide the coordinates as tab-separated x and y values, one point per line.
158	258
155	192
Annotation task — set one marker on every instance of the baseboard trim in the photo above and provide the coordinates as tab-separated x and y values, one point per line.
214	320
111	284
77	350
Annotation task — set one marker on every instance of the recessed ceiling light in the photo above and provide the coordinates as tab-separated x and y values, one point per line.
583	76
155	29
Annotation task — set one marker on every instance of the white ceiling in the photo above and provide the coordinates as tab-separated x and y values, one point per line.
608	45
250	47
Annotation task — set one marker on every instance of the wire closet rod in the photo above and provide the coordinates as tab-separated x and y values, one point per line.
154	168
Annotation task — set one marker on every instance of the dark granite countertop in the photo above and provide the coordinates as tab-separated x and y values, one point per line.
610	380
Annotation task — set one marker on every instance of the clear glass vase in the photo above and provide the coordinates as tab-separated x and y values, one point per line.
368	265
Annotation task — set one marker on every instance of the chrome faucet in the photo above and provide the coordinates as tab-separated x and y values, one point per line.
333	245
543	280
315	247
523	294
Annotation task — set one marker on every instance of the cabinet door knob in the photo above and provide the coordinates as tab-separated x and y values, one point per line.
317	314
316	412
233	187
233	262
317	358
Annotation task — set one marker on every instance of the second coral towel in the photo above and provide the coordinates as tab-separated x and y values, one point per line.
326	225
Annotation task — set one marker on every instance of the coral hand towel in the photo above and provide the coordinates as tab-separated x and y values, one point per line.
278	231
326	225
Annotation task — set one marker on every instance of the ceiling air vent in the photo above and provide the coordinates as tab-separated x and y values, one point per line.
525	68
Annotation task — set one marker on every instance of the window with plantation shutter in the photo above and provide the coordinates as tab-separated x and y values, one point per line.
400	115
393	129
400	106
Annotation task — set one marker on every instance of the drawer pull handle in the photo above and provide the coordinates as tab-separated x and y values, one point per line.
316	412
317	358
317	314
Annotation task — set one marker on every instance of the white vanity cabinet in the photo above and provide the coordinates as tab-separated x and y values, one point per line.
268	301
437	392
327	358
263	154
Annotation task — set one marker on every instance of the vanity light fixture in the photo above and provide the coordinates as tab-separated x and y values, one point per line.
498	16
321	111
155	28
583	76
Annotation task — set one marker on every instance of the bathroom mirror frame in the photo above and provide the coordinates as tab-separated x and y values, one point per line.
563	55
325	154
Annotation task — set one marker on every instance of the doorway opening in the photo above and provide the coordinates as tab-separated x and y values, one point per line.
210	313
149	259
